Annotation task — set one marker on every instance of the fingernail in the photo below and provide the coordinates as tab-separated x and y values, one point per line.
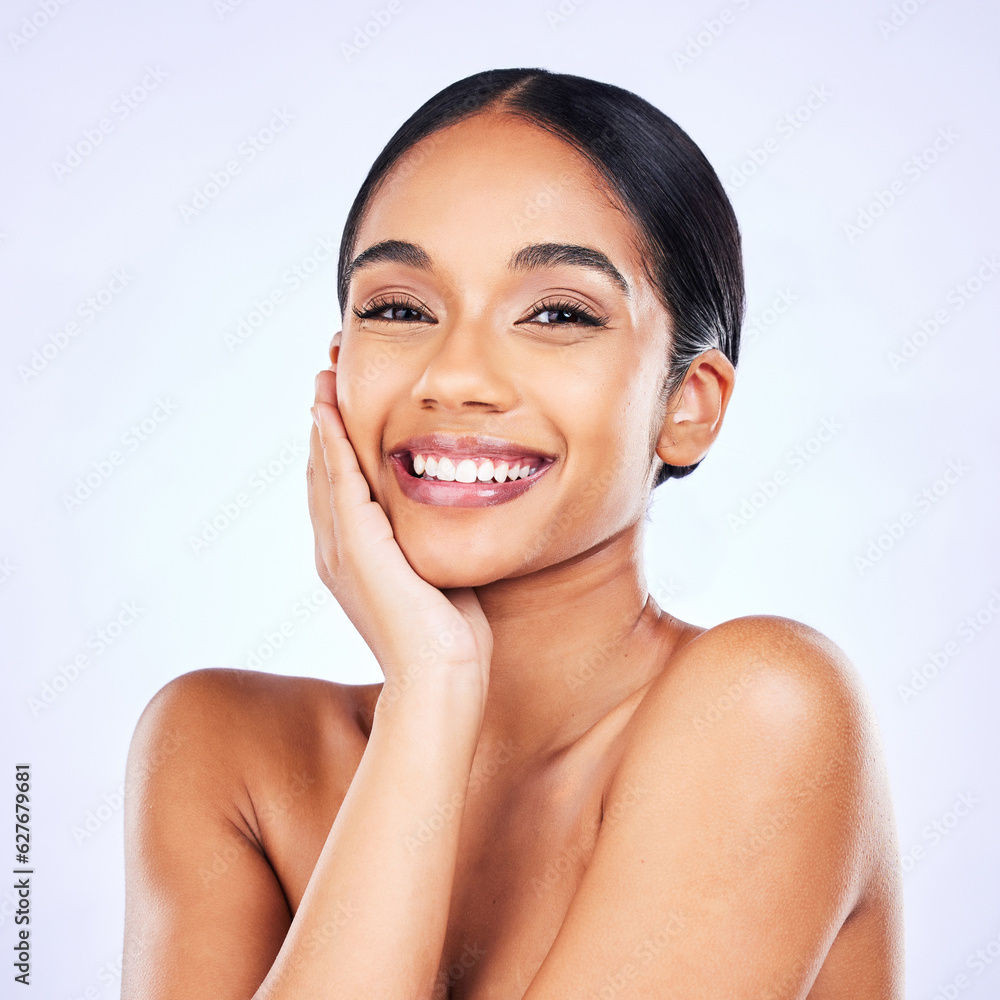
315	415
316	386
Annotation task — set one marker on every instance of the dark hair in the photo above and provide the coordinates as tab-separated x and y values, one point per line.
689	230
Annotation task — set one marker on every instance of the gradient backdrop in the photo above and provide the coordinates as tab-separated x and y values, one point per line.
174	185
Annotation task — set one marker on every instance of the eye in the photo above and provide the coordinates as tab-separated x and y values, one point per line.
563	313
394	310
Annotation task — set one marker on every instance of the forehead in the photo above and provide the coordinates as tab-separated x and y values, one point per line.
475	192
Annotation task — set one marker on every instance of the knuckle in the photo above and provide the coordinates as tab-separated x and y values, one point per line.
326	558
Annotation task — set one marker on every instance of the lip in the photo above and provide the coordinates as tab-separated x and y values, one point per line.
475	446
439	493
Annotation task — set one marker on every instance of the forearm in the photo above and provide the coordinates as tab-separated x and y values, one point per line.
372	921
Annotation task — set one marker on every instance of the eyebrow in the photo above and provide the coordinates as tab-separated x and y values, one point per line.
537	255
529	258
394	251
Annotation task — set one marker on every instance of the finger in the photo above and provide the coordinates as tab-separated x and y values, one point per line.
320	511
321	491
349	489
360	532
318	483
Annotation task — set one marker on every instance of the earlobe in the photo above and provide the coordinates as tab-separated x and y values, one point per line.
335	350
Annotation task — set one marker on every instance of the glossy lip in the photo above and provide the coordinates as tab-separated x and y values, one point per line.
452	494
475	446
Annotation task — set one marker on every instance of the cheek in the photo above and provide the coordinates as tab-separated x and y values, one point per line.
605	419
361	368
365	390
603	416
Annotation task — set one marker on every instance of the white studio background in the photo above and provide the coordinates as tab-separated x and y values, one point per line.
853	486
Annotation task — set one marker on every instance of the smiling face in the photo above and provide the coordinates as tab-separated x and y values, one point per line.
498	314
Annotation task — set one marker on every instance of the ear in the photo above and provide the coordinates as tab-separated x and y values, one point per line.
695	411
335	349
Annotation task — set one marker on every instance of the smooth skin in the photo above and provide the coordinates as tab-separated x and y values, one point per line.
560	790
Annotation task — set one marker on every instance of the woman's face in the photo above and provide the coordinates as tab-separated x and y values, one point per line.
477	349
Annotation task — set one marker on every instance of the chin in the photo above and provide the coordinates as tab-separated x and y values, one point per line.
447	571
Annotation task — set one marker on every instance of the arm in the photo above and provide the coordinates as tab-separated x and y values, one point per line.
373	918
738	831
204	913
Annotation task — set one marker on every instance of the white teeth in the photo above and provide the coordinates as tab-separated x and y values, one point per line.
465	471
468	470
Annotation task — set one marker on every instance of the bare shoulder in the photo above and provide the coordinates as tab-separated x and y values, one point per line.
748	810
220	691
211	742
216	726
779	673
765	724
749	804
217	768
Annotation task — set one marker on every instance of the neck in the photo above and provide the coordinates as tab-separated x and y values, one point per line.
569	643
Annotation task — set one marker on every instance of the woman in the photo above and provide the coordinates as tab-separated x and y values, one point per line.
560	790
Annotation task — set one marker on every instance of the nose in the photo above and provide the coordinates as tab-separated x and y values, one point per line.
466	371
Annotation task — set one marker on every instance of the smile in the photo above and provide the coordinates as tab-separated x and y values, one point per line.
469	472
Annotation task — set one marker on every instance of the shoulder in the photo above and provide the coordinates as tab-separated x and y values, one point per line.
758	724
772	673
219	696
214	804
748	805
219	725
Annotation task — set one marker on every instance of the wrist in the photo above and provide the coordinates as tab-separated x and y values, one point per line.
452	694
